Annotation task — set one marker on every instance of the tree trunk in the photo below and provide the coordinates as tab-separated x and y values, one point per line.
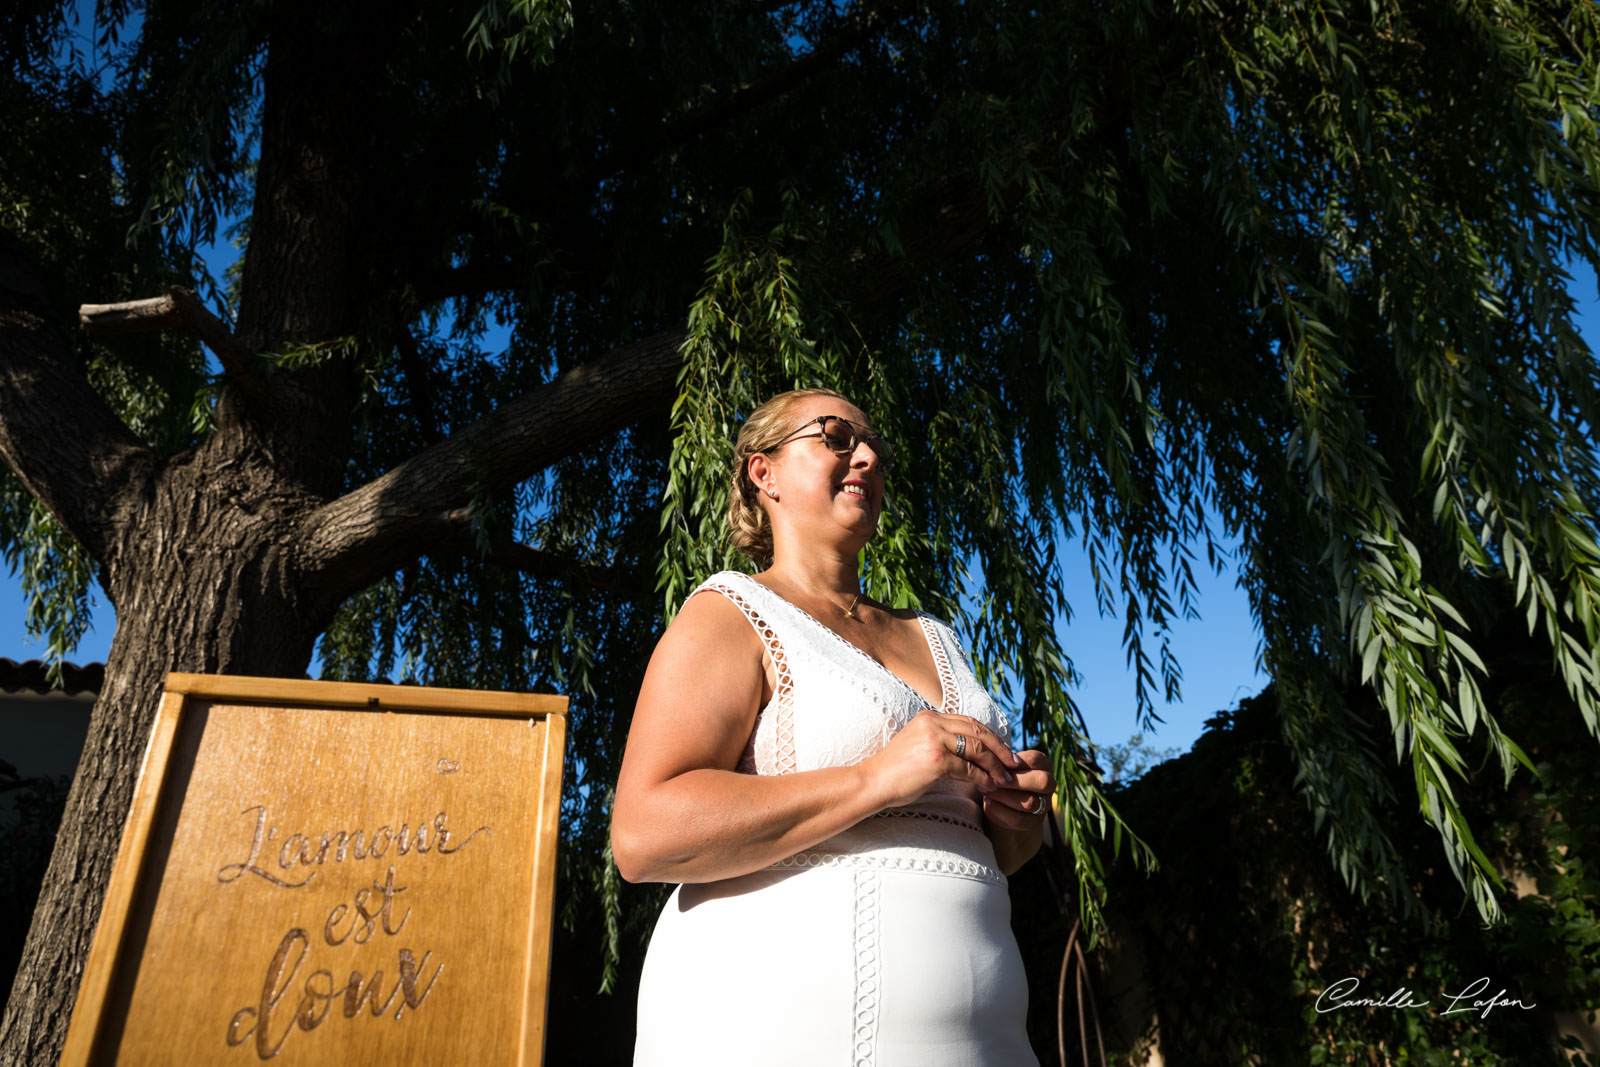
202	557
201	587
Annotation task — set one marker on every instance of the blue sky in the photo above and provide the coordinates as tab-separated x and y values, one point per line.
1217	653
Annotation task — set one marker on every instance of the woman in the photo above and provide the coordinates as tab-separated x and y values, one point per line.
832	788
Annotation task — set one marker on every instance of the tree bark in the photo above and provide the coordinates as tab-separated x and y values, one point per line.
200	586
86	477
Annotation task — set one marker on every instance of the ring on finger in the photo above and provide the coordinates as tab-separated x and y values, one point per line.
961	745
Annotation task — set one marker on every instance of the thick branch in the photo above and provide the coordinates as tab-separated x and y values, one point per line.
65	445
130	316
179	308
374	529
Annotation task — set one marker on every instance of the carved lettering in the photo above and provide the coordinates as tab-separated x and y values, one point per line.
405	841
384	912
347	844
356	993
336	846
443	835
234	871
334	917
269	1023
409	970
314	1005
318	992
366	920
272	990
287	855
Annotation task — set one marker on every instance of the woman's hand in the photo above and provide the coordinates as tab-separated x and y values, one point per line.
936	747
1019	806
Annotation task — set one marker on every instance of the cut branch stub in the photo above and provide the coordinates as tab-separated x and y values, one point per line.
178	308
130	316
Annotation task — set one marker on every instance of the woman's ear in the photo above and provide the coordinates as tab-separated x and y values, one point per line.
762	474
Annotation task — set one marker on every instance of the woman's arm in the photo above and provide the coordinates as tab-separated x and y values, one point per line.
1012	848
682	814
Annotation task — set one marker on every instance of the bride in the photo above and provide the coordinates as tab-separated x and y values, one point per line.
831	787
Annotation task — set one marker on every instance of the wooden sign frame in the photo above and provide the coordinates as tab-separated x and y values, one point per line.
194	705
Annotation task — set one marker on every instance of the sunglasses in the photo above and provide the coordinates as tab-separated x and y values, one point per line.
841	436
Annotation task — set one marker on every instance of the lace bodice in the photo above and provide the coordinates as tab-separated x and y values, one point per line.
852	703
834	705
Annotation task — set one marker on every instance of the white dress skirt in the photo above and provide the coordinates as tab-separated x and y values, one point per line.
888	945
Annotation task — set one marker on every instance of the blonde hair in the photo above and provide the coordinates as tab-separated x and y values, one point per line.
767	425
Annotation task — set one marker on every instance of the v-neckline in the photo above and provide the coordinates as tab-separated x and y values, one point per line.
928	638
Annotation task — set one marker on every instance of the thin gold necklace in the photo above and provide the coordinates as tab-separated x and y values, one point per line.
849	612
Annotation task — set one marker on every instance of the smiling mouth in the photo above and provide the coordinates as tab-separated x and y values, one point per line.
854	490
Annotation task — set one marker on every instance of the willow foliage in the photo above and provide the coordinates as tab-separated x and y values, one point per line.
1286	274
1314	283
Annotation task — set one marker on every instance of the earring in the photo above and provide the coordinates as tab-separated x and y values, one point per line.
773	493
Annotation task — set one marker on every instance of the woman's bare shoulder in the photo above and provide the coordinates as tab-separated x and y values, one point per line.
707	667
710	619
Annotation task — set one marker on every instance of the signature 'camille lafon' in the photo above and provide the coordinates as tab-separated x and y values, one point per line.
1341	995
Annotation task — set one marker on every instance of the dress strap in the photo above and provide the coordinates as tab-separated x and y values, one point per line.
779	757
933	631
963	692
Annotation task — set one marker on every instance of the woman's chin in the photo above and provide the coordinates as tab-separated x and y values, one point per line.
865	529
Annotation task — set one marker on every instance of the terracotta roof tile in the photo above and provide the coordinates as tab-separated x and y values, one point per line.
34	675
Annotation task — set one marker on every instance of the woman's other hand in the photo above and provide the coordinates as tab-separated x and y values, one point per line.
935	747
1018	806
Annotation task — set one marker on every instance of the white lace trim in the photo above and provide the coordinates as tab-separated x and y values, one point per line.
864	1023
932	816
935	648
957	868
849	714
782	759
947	676
949	692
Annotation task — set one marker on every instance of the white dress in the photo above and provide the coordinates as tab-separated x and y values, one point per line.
889	944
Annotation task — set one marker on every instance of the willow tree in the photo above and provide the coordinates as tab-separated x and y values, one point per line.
1161	277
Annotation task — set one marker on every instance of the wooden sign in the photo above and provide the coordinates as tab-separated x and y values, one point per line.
323	873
